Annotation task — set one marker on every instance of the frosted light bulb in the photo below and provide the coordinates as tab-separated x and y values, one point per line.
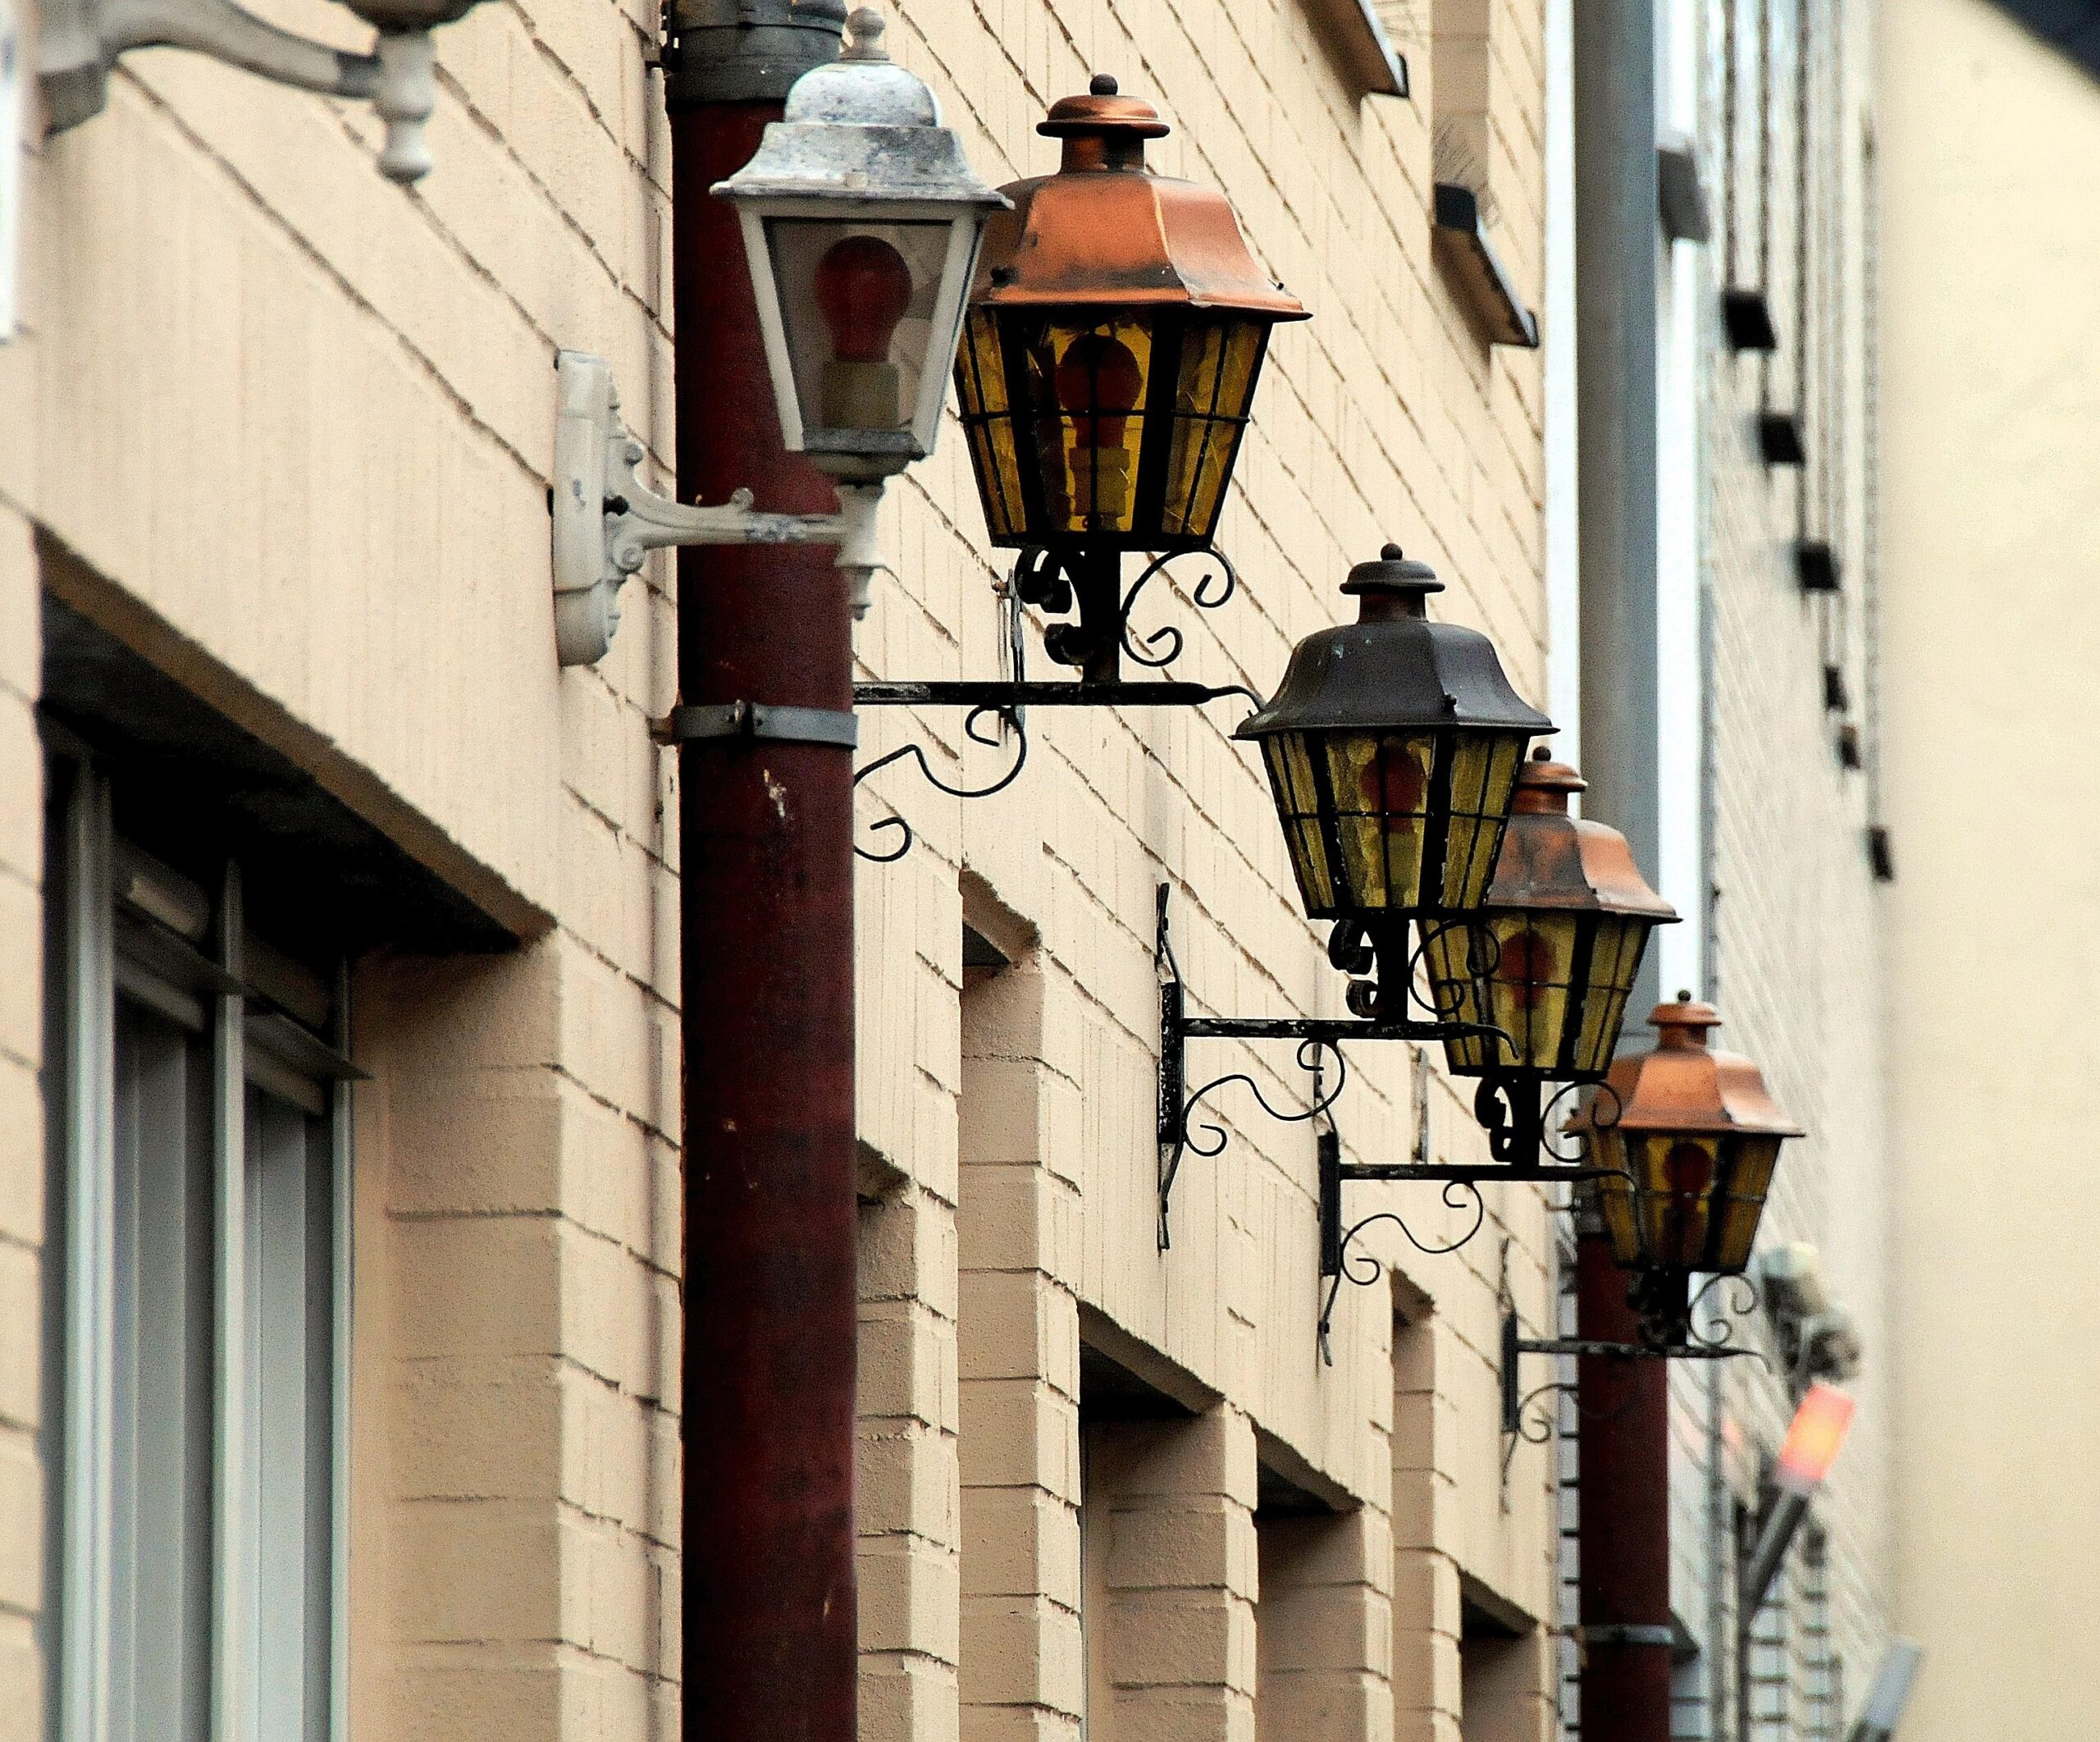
1099	384
862	287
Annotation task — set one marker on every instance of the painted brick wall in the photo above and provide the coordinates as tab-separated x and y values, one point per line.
1795	923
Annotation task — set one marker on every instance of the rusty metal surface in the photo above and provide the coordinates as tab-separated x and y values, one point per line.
767	990
1106	231
1684	1085
1552	860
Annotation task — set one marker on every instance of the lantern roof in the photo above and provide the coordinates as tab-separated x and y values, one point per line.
1551	860
861	131
1393	669
1105	229
1683	1085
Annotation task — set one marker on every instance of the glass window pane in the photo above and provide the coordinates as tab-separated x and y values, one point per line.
161	1427
291	1406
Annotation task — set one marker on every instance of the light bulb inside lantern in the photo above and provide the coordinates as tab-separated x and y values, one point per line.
1099	384
862	287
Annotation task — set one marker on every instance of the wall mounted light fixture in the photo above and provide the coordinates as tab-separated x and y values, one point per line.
861	220
82	39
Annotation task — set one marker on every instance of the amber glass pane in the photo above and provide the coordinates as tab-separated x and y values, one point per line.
1380	788
1530	963
1615	1197
1453	956
981	390
1212	389
1087	386
1483	780
1750	1161
1297	806
1674	1177
1615	959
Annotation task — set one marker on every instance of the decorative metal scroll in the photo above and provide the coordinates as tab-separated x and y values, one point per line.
1044	579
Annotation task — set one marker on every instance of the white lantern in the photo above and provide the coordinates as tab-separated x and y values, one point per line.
861	220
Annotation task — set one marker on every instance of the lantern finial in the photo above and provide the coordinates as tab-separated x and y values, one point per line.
865	27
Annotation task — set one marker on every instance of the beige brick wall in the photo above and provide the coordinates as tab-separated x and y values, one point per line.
296	425
311	480
22	1257
1383	417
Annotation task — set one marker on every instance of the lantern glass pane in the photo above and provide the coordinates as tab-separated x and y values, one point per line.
857	304
1454	954
1088	384
1381	789
1675	1175
1213	387
1615	1196
987	415
1298	805
1614	960
1530	959
1483	781
1752	1160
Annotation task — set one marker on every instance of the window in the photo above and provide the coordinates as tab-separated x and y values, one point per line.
199	1221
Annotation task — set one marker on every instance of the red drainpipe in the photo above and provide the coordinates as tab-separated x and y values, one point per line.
1623	1533
766	905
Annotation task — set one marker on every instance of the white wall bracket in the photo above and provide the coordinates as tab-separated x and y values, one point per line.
82	39
606	522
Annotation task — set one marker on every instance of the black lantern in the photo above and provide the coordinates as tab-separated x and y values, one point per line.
1115	337
1690	1137
1542	975
1393	747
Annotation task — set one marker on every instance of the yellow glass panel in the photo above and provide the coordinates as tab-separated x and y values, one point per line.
1615	1197
1298	807
1454	990
1615	959
981	391
1211	392
1752	1160
1354	773
1090	385
1530	963
1483	781
1676	1181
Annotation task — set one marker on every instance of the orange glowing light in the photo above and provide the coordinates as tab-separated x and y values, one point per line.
1813	1440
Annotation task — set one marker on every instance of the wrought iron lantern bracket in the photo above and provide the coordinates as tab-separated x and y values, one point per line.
1680	1340
1315	1036
1513	1141
1007	699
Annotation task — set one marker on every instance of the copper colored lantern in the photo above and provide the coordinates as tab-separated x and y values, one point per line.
1392	747
1116	334
1690	1137
1541	976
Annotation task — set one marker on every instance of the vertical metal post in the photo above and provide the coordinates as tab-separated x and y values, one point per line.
1617	306
767	985
1623	1457
1622	1478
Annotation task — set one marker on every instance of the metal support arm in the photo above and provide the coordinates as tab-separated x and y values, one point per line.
82	40
606	521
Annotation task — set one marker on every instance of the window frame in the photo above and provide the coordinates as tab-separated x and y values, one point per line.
254	1048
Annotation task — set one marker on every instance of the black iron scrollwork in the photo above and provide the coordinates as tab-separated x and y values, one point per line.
974	728
1207	595
1363	1270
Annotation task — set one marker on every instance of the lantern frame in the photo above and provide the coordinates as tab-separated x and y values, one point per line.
860	148
1106	247
1542	972
1686	1139
1422	717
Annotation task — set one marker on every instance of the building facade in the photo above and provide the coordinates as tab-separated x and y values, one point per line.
1989	122
340	1235
1747	640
